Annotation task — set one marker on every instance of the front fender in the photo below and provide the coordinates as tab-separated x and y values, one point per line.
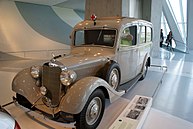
77	96
72	102
25	85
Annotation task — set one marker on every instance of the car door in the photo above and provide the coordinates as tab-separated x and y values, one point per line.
127	53
145	41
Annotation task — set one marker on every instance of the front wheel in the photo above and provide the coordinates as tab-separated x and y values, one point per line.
91	115
24	102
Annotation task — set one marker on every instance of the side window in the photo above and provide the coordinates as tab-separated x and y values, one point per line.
128	36
79	38
142	36
148	34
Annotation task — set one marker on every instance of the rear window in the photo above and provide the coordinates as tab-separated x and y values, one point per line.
146	34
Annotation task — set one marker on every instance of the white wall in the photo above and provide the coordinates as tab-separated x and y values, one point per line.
156	12
18	38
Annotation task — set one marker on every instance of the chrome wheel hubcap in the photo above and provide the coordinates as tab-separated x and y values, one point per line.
94	110
114	78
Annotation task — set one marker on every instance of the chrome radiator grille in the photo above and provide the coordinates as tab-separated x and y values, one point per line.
51	80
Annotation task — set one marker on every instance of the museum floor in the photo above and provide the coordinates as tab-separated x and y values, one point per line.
171	90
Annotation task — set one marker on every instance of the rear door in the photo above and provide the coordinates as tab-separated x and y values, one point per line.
144	45
127	53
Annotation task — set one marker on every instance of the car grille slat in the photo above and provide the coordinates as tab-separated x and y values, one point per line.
51	80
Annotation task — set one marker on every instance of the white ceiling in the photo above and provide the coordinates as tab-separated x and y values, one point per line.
73	4
43	2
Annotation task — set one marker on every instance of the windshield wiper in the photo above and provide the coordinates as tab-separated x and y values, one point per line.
99	36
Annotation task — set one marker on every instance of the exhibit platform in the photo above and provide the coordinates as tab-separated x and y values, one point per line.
155	119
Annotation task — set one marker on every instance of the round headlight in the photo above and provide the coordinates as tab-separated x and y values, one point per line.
67	77
35	71
43	90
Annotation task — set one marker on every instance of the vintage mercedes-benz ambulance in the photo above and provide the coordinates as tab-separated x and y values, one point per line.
105	54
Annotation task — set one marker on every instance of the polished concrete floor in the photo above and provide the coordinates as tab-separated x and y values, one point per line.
171	89
175	95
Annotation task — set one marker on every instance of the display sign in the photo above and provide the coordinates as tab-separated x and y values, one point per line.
134	115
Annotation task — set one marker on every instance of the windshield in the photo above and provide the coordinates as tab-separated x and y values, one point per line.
102	37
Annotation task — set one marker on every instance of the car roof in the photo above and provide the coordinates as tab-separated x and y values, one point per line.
109	22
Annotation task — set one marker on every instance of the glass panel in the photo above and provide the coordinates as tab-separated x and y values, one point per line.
128	36
148	36
176	9
179	13
184	6
79	38
142	36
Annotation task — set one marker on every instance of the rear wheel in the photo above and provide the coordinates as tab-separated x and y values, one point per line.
91	115
144	73
112	74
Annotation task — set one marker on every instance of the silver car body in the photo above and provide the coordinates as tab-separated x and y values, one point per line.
86	61
6	121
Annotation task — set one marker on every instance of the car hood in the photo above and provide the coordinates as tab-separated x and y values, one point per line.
85	55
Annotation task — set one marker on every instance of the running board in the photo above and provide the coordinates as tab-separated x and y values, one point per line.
128	85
